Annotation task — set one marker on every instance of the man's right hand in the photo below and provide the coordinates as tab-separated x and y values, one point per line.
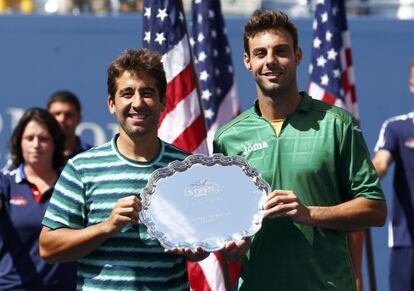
125	211
67	244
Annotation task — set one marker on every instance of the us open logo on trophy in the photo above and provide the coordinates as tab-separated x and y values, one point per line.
201	188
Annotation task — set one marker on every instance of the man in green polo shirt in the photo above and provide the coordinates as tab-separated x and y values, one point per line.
315	159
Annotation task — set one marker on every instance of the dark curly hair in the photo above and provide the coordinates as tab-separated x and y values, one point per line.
44	117
141	60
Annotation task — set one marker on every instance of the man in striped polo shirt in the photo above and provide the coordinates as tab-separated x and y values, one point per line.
93	212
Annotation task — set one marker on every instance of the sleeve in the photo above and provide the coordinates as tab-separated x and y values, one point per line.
67	204
2	191
387	139
4	188
357	173
218	146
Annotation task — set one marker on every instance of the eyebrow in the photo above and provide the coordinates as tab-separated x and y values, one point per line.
127	89
276	46
258	49
284	46
148	88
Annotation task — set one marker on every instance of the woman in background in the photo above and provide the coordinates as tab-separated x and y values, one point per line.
36	146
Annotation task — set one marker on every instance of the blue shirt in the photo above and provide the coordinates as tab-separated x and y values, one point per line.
81	146
21	267
397	137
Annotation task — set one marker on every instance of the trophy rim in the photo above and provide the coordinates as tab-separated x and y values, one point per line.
179	166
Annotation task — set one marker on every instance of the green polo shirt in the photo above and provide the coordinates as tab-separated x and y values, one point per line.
321	156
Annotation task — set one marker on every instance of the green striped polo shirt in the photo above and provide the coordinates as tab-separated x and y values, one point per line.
321	156
87	190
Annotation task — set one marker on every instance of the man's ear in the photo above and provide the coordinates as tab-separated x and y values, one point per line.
111	105
164	103
298	56
411	86
246	59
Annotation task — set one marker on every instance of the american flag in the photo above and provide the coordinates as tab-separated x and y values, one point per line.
331	71
183	123
164	30
214	66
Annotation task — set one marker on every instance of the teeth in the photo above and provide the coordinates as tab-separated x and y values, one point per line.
272	74
138	115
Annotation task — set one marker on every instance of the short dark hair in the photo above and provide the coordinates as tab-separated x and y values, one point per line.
262	20
66	97
44	117
141	60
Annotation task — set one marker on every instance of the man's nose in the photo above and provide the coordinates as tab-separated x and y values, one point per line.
137	100
270	59
60	117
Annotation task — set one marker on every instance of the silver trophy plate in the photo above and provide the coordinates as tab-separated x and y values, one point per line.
203	201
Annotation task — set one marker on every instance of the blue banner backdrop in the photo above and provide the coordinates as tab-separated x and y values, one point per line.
41	54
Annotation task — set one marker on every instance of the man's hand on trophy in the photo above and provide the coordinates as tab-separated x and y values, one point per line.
234	251
193	255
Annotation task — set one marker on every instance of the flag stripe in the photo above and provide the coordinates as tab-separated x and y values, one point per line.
196	271
178	119
176	59
179	88
328	98
212	272
348	57
228	107
346	83
189	138
353	95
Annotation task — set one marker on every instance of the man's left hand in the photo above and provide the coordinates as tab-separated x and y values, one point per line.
284	203
193	255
